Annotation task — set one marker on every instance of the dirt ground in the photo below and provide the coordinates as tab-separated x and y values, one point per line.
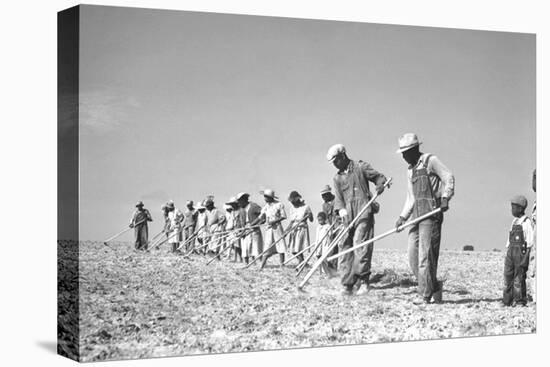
138	305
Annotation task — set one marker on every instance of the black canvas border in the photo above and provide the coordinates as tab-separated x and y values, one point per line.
68	330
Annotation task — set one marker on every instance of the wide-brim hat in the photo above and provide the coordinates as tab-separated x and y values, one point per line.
200	206
407	141
326	189
232	200
170	204
334	151
242	195
269	193
139	204
190	203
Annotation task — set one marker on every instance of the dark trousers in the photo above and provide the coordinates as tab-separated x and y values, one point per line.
141	235
515	270
356	265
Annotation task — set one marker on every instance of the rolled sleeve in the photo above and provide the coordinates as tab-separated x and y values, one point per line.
372	175
445	175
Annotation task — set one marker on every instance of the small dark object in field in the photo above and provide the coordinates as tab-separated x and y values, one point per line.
496	250
468	248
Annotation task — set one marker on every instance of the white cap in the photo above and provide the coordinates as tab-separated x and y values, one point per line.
334	150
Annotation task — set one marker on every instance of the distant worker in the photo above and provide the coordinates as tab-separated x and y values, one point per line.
323	236
166	227
201	229
232	224
328	203
331	216
139	223
273	213
252	244
300	213
175	216
216	222
189	223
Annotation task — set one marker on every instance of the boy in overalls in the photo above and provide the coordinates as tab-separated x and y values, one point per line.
430	185
520	241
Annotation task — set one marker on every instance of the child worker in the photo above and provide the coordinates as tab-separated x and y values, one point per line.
520	241
323	240
300	214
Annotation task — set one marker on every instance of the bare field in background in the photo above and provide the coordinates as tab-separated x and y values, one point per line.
139	305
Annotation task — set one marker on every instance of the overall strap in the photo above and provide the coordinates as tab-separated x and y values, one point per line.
426	160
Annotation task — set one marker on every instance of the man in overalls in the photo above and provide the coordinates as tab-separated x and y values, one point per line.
352	193
518	252
430	185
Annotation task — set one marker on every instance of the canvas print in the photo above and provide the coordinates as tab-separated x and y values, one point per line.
233	183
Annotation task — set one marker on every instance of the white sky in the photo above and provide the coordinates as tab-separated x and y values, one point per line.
178	105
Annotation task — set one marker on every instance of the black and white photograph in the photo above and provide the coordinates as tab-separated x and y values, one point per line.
241	183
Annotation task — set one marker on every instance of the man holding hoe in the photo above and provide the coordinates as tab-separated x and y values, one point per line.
352	192
430	185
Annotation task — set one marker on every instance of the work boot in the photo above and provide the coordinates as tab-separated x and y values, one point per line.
438	295
264	261
348	290
362	287
421	301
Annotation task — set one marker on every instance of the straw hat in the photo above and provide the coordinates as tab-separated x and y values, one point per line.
232	200
326	189
139	204
269	193
408	141
200	206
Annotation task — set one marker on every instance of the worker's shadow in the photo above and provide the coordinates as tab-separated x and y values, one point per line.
400	284
49	346
471	300
376	282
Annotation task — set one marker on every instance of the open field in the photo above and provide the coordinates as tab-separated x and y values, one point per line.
137	305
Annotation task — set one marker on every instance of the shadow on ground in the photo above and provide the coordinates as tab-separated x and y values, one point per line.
49	346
